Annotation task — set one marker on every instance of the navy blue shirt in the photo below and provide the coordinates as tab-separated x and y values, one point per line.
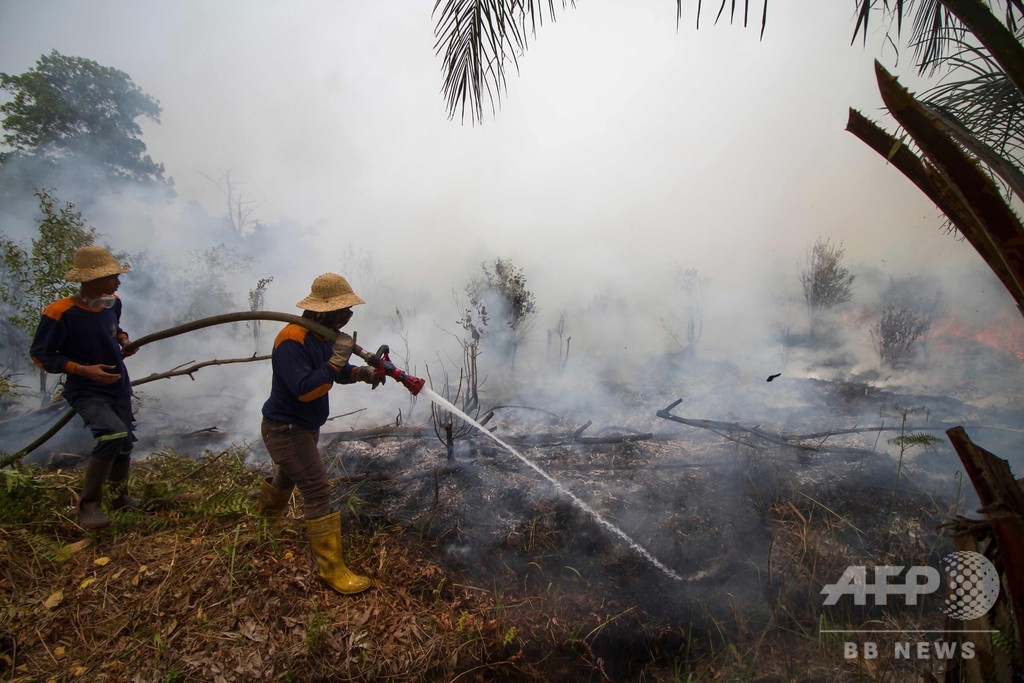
302	378
70	334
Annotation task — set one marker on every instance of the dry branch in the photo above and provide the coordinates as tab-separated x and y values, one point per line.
179	371
730	430
70	413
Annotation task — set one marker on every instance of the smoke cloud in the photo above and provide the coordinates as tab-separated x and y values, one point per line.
624	151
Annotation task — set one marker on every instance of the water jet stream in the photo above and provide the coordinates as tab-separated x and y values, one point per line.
643	552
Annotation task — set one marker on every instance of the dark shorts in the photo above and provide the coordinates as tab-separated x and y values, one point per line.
108	419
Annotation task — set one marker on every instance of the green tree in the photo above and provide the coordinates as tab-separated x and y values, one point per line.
33	278
71	109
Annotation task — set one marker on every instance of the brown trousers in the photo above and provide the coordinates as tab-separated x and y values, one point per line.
297	462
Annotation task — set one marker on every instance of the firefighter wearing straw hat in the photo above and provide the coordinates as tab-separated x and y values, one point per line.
305	367
81	337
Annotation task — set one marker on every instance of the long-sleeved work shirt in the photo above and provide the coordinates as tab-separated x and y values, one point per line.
302	378
70	334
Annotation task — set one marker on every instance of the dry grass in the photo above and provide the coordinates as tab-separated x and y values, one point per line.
196	588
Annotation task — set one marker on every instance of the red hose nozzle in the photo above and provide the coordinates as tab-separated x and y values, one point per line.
413	384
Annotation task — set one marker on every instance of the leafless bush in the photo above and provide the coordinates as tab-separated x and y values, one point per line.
257	302
446	425
686	326
896	333
826	282
563	341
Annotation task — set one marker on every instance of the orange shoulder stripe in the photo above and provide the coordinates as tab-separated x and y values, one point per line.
291	331
58	308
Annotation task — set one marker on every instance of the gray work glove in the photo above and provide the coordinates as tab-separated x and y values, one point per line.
366	373
342	351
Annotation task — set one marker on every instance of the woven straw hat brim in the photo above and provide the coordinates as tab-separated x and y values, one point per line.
95	273
322	305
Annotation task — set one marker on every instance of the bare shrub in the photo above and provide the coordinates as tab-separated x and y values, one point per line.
826	282
896	333
686	326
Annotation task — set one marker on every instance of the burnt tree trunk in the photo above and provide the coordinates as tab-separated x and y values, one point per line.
1002	503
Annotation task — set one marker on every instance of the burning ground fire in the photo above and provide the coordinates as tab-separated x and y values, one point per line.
1005	337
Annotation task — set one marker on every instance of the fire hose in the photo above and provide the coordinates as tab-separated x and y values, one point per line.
379	360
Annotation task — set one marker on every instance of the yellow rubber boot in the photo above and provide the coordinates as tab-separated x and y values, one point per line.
325	537
272	501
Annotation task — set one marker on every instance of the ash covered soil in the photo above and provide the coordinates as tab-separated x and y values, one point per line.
717	506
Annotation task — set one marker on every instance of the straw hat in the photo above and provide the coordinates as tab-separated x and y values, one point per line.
329	293
92	263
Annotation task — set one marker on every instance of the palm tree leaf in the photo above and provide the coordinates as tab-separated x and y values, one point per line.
1000	226
1000	166
981	97
476	39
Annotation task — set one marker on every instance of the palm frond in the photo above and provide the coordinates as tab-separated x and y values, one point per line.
935	32
932	29
733	6
1014	9
979	95
476	39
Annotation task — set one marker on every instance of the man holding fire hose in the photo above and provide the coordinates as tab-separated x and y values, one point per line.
81	337
305	367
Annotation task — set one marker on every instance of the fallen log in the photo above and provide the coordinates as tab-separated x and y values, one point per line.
385	432
728	430
544	439
725	430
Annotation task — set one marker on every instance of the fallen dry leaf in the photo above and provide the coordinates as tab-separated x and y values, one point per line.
87	582
78	545
101	561
142	570
55	599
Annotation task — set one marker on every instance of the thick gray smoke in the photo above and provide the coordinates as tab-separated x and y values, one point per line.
604	174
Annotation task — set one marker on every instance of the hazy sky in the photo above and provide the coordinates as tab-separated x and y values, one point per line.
625	147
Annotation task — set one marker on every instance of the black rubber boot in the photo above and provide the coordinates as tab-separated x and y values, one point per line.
90	505
118	479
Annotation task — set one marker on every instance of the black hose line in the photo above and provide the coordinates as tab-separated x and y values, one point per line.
185	328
